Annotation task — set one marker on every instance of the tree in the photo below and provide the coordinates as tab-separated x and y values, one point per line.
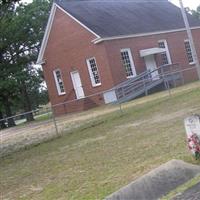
8	1
2	122
7	82
19	51
32	18
197	12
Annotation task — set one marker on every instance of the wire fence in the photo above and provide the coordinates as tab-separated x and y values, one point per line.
62	118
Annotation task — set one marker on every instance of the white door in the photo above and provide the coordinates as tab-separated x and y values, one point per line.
151	66
76	80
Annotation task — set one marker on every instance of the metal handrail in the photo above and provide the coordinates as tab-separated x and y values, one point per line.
131	79
143	80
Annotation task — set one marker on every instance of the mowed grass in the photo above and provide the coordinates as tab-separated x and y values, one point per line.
98	158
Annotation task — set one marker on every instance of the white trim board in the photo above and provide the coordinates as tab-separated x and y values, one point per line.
48	29
167	50
76	20
92	79
46	35
98	40
191	63
56	81
131	62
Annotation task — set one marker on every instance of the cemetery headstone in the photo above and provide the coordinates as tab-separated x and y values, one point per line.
192	127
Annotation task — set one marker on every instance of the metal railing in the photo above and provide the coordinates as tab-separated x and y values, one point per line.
167	74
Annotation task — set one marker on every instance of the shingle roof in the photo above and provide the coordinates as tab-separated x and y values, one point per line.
109	18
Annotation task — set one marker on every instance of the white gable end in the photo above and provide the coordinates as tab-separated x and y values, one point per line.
46	35
48	29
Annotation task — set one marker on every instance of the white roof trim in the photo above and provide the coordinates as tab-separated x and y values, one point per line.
48	29
46	35
151	51
98	40
84	26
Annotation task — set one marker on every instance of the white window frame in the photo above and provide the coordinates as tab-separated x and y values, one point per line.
91	74
191	63
131	62
167	51
57	84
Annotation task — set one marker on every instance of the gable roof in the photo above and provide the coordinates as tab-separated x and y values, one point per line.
108	18
117	19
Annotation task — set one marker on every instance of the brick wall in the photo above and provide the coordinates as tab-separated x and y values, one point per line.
175	44
69	46
78	105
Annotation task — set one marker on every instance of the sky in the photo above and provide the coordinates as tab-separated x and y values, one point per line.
192	4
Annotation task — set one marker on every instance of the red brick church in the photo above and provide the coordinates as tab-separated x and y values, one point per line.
90	46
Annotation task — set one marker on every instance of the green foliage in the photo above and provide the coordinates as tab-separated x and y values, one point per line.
21	31
197	155
197	12
8	1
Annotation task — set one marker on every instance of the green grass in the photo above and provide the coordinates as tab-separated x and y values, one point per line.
37	118
43	117
104	154
182	188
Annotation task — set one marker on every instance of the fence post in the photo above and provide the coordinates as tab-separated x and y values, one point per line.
54	121
120	107
182	76
163	77
166	82
173	74
168	88
123	94
144	85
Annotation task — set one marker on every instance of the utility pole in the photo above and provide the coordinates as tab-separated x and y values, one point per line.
189	33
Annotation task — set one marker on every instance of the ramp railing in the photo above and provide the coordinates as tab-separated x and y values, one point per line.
133	87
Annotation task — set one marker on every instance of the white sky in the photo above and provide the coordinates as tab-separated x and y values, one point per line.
192	4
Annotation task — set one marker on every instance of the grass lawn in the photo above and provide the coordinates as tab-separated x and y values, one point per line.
96	159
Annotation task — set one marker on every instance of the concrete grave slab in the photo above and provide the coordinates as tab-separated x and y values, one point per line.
158	182
192	193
